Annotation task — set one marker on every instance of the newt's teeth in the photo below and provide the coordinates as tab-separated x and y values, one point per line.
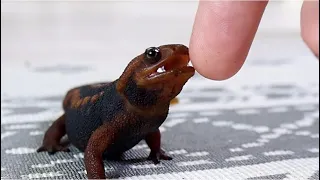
161	70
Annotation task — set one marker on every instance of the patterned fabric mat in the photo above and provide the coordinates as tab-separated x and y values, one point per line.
261	124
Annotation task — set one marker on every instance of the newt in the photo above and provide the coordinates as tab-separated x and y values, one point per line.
104	120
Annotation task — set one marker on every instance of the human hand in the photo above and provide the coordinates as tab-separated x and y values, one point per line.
224	30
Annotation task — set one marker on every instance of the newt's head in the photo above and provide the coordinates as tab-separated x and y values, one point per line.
157	75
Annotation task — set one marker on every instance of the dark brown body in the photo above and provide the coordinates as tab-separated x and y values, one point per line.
106	119
109	106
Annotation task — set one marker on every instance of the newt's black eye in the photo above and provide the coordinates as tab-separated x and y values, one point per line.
152	54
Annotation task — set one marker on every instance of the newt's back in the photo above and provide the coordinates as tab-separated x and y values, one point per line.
86	107
84	94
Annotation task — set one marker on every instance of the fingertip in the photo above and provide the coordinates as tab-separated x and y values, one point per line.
310	25
211	65
222	36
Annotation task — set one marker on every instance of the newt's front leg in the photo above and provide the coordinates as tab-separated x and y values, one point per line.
99	141
154	142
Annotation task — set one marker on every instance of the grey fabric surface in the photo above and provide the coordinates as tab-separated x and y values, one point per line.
198	139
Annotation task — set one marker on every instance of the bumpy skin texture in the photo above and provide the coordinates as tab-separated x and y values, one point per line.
106	119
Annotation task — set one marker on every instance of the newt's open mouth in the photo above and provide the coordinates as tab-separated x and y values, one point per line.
176	65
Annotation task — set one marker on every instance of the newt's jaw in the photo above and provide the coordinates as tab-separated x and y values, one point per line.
175	68
167	68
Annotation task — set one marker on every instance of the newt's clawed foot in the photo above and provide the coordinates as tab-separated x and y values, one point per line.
157	156
53	148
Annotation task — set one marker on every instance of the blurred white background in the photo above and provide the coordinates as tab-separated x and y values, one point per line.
108	34
107	30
